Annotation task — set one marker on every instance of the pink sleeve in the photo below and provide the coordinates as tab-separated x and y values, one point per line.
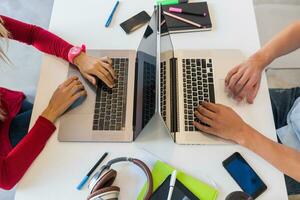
38	37
15	164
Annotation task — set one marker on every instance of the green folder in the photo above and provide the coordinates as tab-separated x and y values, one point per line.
200	189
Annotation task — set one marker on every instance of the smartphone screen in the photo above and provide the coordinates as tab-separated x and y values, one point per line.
135	22
244	175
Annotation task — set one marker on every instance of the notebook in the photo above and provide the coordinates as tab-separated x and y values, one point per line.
200	189
175	26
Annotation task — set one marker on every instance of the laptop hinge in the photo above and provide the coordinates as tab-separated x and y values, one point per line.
174	96
135	99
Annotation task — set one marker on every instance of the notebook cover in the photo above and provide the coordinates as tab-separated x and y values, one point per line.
200	189
176	26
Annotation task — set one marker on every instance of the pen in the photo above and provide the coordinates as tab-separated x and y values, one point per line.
182	19
172	184
111	14
180	10
84	180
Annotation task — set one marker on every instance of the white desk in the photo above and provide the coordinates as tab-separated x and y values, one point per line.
60	167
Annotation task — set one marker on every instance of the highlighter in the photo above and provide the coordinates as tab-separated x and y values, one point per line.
171	2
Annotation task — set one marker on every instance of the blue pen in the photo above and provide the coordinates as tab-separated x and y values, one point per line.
84	180
111	14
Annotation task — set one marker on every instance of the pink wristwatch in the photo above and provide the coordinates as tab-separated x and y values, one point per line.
75	51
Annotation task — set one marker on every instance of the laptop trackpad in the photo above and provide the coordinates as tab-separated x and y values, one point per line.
223	97
244	109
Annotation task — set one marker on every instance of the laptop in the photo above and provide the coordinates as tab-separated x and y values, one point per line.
188	77
118	114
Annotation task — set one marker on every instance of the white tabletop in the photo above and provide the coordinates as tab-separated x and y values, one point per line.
60	167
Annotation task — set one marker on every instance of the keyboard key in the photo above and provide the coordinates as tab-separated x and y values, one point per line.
211	93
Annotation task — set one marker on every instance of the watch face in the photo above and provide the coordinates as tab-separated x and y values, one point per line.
75	50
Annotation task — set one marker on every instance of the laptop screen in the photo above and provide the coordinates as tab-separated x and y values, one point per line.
145	77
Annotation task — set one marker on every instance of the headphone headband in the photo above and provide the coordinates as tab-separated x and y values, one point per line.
137	162
117	160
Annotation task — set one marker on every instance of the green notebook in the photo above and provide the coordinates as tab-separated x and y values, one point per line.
200	189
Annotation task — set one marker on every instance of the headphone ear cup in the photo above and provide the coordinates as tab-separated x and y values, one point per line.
106	180
104	192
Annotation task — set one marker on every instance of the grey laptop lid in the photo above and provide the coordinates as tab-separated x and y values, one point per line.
145	78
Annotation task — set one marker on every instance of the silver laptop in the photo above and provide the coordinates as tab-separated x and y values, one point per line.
188	77
118	114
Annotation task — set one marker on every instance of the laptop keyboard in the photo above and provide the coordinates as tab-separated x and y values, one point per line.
149	92
163	94
198	86
110	106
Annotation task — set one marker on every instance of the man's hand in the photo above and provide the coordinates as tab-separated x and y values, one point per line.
222	121
243	80
91	67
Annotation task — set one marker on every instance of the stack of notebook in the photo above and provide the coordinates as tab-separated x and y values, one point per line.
199	188
197	13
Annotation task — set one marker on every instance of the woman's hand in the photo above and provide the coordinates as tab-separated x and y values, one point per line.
222	121
91	68
243	80
63	97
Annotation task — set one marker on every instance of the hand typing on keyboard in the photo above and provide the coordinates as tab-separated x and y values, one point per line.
91	67
221	121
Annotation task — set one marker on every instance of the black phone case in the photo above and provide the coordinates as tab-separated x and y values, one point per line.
233	157
135	22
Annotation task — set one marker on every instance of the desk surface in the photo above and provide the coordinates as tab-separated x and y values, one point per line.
60	167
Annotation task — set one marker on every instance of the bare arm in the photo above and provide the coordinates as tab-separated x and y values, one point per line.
283	43
282	157
225	123
243	80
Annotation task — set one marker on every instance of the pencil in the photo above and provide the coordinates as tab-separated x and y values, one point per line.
183	19
84	180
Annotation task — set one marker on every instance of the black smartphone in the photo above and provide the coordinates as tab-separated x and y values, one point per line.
244	175
180	192
135	22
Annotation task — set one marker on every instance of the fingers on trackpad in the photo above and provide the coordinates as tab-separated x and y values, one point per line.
223	96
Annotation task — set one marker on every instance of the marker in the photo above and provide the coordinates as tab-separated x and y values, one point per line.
170	2
172	184
84	180
111	14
